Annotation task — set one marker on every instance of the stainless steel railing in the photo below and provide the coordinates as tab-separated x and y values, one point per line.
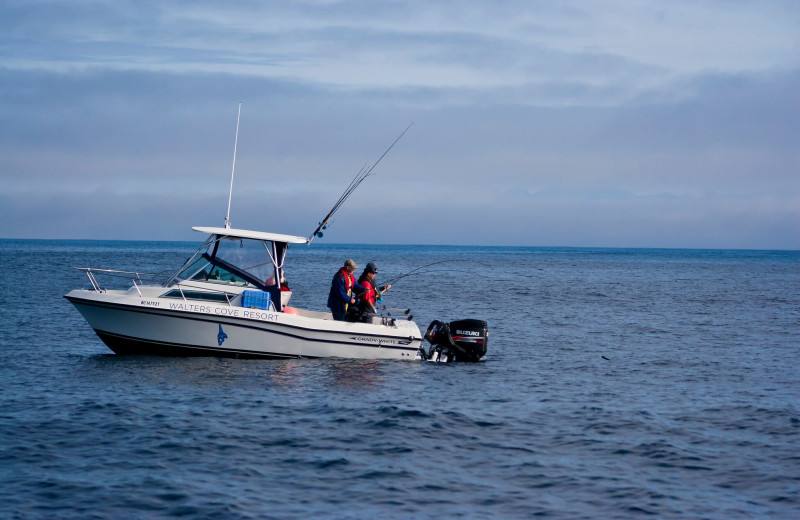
135	276
92	271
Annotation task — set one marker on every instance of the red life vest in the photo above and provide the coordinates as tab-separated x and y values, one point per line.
349	281
369	294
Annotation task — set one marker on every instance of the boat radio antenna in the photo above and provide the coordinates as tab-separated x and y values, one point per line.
233	168
362	174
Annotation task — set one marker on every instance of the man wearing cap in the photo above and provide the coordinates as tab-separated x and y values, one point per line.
342	287
367	280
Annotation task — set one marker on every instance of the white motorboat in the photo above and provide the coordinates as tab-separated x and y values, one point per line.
226	301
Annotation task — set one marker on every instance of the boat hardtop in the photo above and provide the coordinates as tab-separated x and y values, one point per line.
255	235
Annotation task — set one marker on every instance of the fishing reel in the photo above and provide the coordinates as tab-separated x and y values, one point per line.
320	234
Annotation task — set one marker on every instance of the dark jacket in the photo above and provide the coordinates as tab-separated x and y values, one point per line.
338	297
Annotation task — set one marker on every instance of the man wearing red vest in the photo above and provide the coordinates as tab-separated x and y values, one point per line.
343	286
373	291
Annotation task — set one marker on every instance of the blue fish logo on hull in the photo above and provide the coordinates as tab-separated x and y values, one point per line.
221	336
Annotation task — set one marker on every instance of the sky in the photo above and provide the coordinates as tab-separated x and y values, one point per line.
622	123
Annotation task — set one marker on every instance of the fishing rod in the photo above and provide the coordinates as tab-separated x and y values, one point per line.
383	312
362	174
414	271
385	308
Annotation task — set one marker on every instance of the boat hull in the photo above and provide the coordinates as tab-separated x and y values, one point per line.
124	345
129	324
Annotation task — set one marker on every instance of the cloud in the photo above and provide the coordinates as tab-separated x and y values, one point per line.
621	124
618	46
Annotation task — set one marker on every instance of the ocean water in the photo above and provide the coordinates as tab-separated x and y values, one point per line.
619	383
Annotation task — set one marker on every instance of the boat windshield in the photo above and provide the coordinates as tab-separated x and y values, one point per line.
240	262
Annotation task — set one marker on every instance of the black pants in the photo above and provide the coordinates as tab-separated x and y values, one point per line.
339	312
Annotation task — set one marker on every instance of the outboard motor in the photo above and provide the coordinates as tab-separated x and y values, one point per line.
461	340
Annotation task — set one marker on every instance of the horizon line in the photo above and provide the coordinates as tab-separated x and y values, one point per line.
364	244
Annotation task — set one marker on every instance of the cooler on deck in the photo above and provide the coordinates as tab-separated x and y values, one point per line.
256	300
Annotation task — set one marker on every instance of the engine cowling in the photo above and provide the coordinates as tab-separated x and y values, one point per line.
460	340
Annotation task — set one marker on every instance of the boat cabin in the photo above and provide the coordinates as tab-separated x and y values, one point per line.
235	260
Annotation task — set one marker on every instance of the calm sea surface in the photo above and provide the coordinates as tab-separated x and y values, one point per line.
619	383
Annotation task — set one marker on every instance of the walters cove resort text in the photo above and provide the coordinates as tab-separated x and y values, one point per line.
236	312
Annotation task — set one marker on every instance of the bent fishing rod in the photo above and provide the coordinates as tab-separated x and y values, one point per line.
362	174
382	288
383	310
416	270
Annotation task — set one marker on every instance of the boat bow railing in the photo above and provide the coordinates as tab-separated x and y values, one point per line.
139	279
133	276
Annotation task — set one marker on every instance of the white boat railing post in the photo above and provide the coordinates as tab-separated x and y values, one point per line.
136	286
93	281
